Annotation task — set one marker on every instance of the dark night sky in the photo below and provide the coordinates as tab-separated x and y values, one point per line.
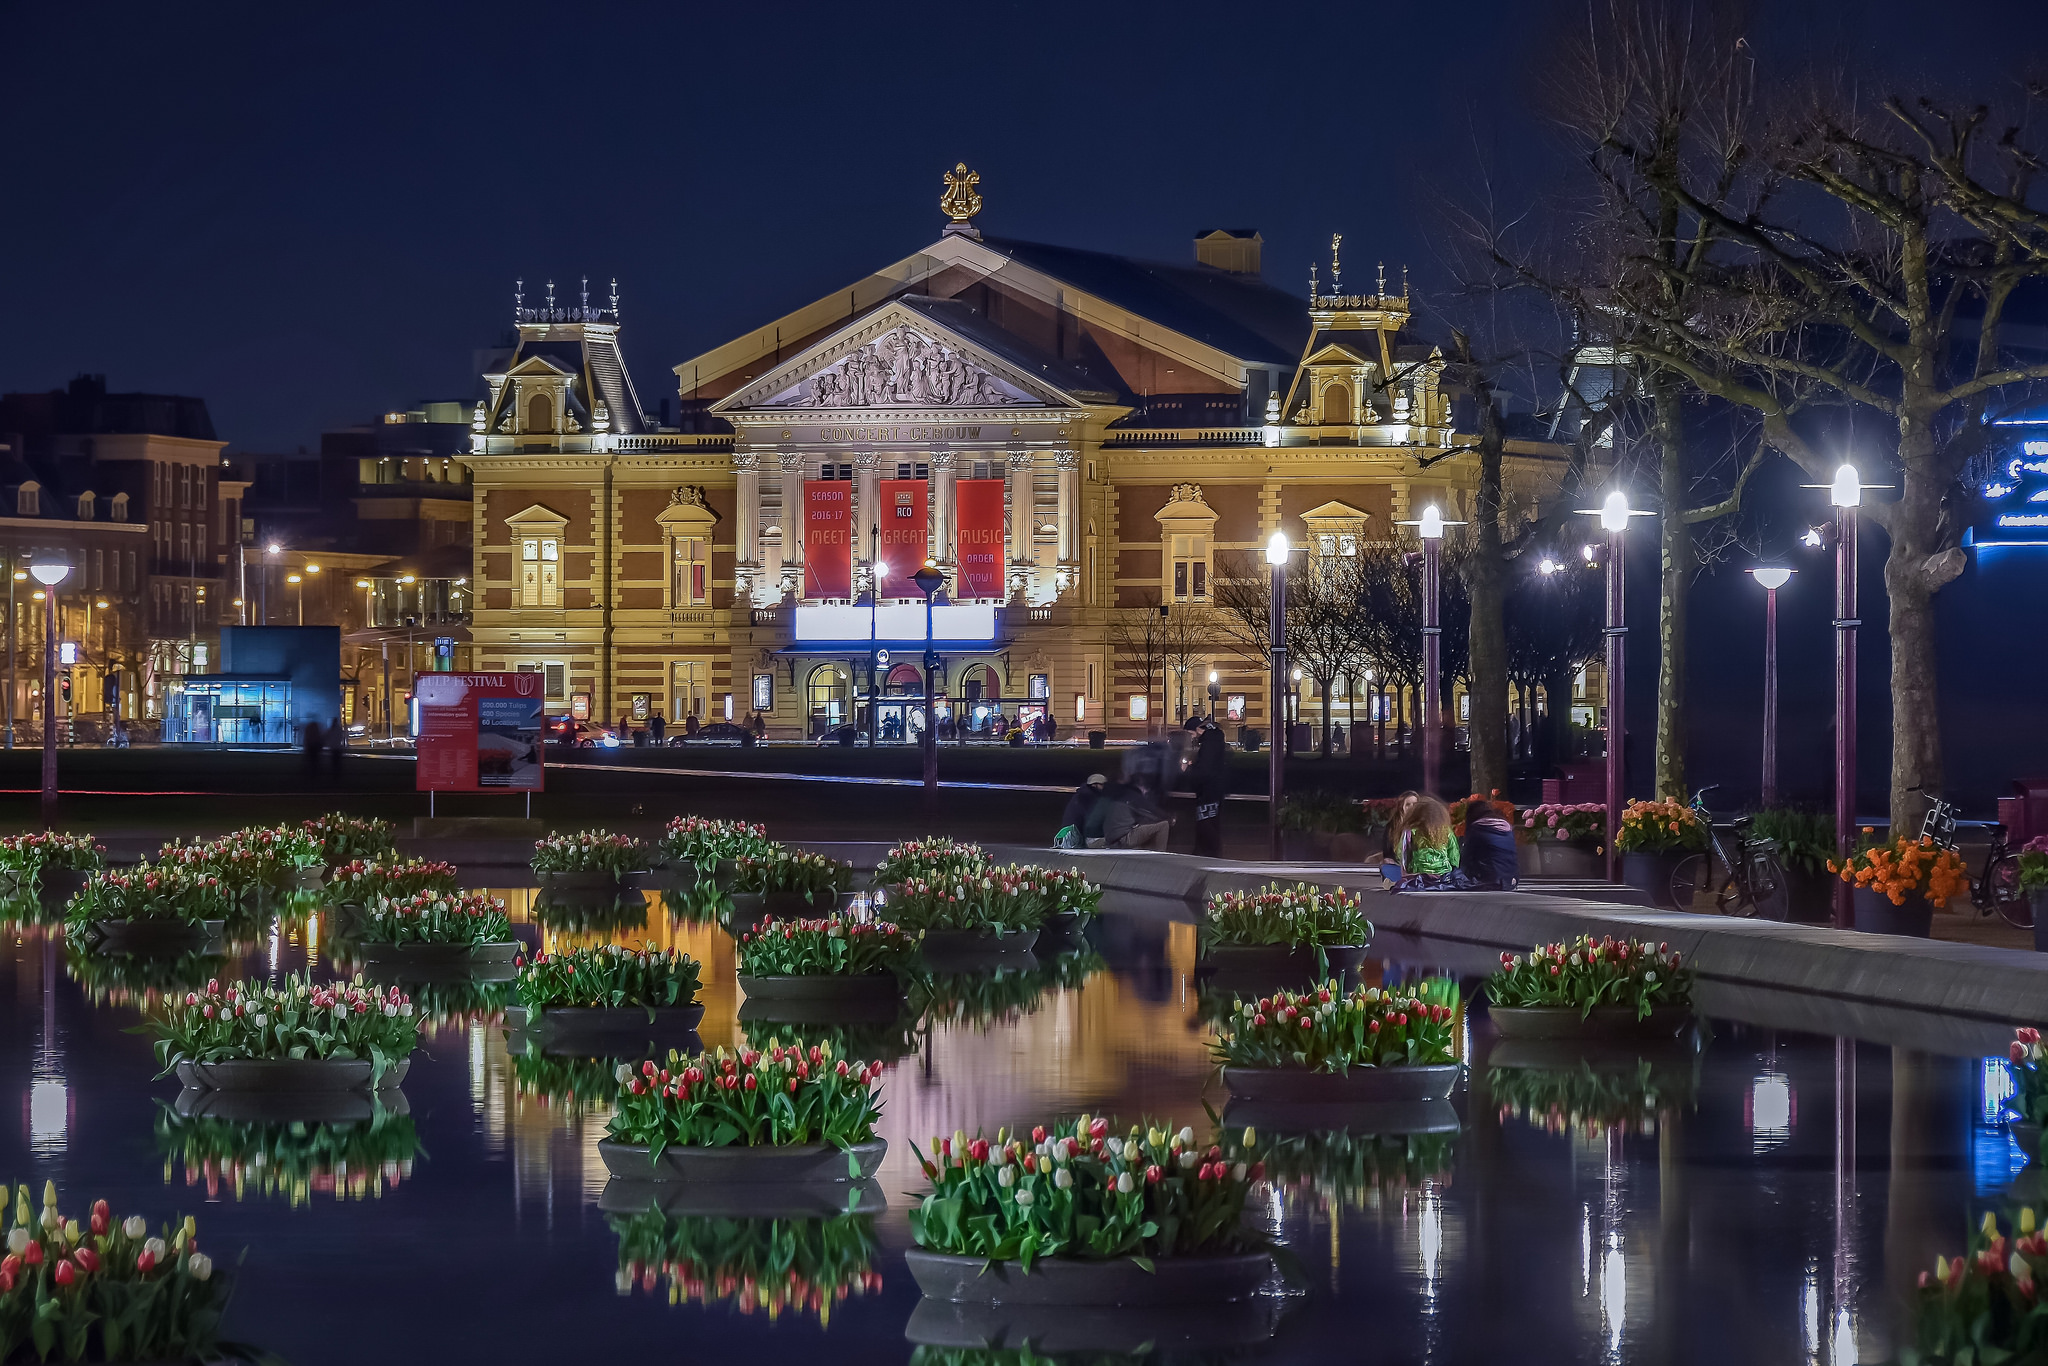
308	215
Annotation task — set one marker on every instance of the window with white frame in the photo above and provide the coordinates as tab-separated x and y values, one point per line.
689	583
540	571
1190	568
554	672
85	502
28	500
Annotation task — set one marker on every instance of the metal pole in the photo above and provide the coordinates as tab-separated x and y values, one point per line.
386	646
931	726
49	705
1432	666
1617	698
874	609
1276	758
13	631
1770	793
1845	709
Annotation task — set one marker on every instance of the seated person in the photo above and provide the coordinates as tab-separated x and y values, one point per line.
1425	849
1489	860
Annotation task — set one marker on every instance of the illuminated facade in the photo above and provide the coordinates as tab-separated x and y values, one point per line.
1074	438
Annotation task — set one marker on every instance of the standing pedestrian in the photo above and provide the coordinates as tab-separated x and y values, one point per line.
657	726
1209	778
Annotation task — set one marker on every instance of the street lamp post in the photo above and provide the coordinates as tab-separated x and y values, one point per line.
1614	514
299	587
1431	529
263	585
928	580
13	631
1846	493
49	574
1772	577
1277	551
876	569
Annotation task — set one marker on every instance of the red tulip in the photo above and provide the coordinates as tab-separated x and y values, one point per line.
1257	1172
1152	1175
978	1150
64	1274
32	1255
87	1258
750	1084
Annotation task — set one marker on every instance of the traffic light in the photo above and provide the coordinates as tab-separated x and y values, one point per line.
64	687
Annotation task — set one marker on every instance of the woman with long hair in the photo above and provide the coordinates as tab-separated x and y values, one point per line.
1421	841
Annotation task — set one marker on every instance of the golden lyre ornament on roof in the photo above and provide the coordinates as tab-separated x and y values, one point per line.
960	200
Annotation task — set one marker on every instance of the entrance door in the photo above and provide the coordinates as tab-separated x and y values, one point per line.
830	694
690	691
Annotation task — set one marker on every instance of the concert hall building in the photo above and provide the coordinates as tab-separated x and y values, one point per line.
1075	439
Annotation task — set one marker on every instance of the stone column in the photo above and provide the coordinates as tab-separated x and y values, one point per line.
747	535
942	508
1069	463
1021	519
867	508
793	519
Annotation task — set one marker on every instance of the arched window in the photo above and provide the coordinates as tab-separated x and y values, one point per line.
1336	406
28	500
118	508
540	414
85	501
830	693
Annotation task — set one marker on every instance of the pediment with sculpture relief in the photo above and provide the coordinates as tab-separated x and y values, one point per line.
902	368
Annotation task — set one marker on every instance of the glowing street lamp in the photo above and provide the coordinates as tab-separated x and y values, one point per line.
49	573
1277	551
1772	577
1430	527
1614	513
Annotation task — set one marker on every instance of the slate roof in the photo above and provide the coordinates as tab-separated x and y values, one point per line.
1240	315
599	373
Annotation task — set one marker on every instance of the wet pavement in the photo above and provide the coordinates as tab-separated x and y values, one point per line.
1760	1195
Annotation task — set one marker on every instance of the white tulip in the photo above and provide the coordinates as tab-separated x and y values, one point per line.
1649	977
155	1248
1238	1171
624	1281
1063	1178
17	1241
1006	1177
1124	1184
1024	1198
200	1265
135	1226
624	1073
1187	1136
1115	1146
52	1221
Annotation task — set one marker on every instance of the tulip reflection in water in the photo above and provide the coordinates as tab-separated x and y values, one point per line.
1628	1098
140	980
766	1266
350	1161
1000	995
1340	1169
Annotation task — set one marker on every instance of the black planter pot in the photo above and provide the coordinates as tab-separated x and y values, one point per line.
1094	1330
1651	873
747	1200
678	1023
438	955
289	1075
874	988
1568	1022
978	941
308	879
154	936
2037	900
1314	1117
787	1164
1280	964
1061	927
1875	914
1361	1085
290	1107
592	883
1064	1281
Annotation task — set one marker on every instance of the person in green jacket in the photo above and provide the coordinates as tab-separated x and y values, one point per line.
1422	842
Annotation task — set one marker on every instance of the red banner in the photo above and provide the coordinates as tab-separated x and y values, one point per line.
980	550
906	534
828	543
479	732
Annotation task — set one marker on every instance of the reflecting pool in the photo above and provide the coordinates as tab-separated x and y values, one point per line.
1766	1195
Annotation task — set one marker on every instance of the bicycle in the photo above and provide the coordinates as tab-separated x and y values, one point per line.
1996	887
1753	884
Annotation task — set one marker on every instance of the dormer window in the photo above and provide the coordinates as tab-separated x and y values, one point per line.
28	500
85	508
118	508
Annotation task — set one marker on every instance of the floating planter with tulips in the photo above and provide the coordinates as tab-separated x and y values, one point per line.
788	1115
587	862
1591	988
149	909
1072	1213
780	881
302	1037
1071	901
704	850
2029	1099
1284	935
359	882
1985	1307
254	862
982	909
777	1267
105	1289
53	863
352	839
817	968
608	990
436	929
292	1161
933	857
1328	1046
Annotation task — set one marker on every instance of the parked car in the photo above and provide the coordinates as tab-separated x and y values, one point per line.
563	730
717	733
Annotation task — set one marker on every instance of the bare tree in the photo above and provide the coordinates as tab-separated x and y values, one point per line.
1187	636
1864	259
1323	618
1137	637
